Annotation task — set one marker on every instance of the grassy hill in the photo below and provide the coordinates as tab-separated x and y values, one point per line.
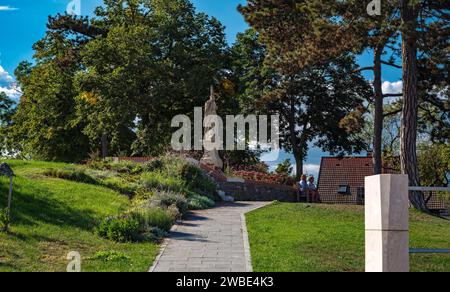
52	217
301	238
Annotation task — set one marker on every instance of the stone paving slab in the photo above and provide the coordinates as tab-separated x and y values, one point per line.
213	240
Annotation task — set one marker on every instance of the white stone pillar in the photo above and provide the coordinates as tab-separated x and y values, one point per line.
387	223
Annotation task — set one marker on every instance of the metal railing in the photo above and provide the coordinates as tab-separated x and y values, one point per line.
424	250
429	189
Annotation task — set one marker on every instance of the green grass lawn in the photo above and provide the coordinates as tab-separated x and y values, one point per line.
303	238
52	217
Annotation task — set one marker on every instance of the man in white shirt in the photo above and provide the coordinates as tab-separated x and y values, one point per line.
303	188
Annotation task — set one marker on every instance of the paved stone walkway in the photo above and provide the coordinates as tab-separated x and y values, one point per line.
213	240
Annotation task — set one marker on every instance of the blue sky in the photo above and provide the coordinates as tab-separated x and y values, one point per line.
22	23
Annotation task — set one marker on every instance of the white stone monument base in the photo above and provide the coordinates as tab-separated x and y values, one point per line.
386	252
387	223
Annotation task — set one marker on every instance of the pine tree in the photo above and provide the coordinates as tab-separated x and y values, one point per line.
285	168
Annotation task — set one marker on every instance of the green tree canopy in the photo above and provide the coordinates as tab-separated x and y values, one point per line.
285	168
6	109
121	75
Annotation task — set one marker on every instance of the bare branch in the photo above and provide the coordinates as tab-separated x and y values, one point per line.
393	95
393	113
391	64
370	68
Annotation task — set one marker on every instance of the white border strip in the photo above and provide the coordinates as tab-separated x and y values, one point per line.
248	255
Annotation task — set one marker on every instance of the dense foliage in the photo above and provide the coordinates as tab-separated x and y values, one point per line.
116	80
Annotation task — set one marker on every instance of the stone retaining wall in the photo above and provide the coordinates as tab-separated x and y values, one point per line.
257	191
248	190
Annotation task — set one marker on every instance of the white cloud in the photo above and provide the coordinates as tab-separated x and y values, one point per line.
309	169
392	87
12	92
8	86
7	8
312	168
4	76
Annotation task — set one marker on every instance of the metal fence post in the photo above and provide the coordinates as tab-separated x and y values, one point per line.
10	194
387	223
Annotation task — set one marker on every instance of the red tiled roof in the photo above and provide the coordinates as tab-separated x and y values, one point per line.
350	171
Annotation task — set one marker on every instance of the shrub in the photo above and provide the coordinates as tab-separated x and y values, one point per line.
153	217
166	199
158	233
198	202
174	212
144	223
173	164
119	229
156	180
72	174
154	234
196	180
152	166
100	164
4	220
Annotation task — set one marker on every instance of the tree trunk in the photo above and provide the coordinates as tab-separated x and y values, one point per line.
298	153
104	145
378	112
8	211
408	133
299	163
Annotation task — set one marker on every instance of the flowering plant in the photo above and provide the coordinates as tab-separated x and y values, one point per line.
267	178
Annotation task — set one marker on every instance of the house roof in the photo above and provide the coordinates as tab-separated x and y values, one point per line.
351	171
344	171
